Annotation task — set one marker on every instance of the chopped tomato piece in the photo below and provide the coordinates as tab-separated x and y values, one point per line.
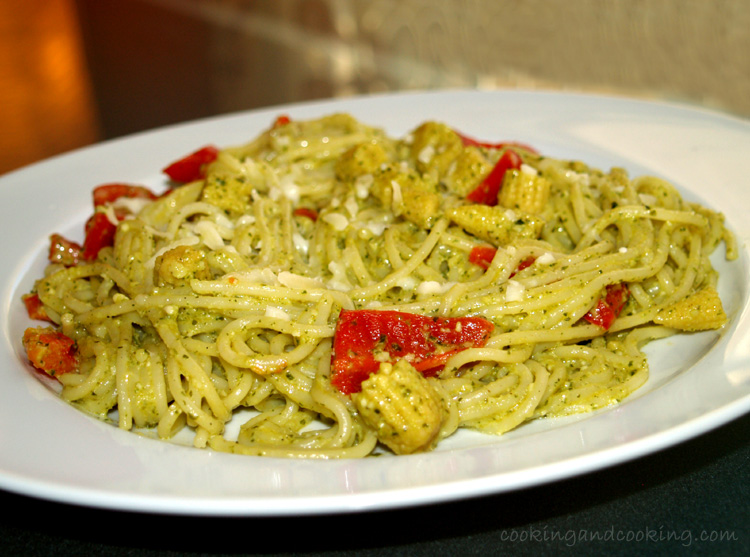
608	308
100	233
282	120
63	251
365	338
35	307
306	212
109	193
193	166
50	351
486	192
499	145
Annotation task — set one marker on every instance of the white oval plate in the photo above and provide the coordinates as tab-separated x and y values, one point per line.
52	451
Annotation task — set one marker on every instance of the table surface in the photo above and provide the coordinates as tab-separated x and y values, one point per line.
693	498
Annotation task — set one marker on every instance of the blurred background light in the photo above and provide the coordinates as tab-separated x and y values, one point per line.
77	71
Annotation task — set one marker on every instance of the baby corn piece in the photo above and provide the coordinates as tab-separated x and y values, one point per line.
407	194
524	190
467	170
402	407
434	147
496	225
364	158
701	311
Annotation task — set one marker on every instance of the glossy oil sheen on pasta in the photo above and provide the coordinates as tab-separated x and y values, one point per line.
223	296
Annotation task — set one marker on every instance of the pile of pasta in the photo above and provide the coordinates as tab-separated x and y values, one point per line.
345	293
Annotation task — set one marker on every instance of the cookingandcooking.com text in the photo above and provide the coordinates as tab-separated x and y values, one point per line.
571	537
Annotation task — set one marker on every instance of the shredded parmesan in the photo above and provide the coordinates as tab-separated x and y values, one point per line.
351	206
300	243
398	199
430	287
253	276
426	154
377	228
339	281
338	221
299	282
209	234
131	204
362	185
277	313
545	259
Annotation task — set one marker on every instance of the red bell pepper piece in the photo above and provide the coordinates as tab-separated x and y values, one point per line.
193	166
467	141
306	212
50	351
109	193
63	251
426	342
35	307
100	233
486	192
528	262
608	308
483	256
282	120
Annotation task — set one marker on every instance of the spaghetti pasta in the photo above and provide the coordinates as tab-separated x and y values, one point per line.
485	285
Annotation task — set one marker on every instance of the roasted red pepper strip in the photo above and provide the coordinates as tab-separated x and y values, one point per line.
306	212
193	166
486	192
528	262
483	256
109	193
50	351
608	308
35	307
365	338
63	251
499	145
100	233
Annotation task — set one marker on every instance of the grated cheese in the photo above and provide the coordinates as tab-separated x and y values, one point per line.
514	291
277	313
338	221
